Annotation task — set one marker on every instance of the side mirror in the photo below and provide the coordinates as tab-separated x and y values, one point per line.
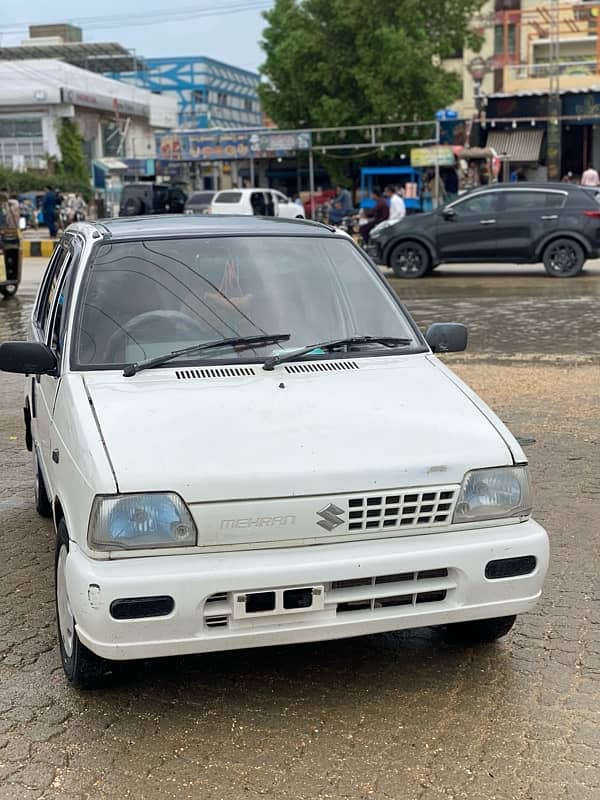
31	358
447	337
448	213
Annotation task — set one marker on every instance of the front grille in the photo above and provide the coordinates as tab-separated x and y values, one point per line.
364	594
410	509
320	366
387	591
214	372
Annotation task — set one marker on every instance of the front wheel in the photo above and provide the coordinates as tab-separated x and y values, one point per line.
410	260
563	258
478	631
9	290
83	669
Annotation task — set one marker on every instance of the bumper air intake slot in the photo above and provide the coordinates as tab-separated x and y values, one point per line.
510	567
141	607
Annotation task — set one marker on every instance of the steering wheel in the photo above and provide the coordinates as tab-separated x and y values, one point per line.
128	330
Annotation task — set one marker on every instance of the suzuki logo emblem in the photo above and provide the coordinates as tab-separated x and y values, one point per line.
331	518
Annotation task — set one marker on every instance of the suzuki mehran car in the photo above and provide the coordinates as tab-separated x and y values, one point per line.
244	440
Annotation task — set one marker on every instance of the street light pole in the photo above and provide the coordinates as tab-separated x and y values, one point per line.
554	105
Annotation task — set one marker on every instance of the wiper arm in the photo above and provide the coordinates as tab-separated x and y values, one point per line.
245	342
386	341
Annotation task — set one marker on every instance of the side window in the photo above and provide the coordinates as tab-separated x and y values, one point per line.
524	201
58	328
270	203
257	200
479	204
555	199
48	289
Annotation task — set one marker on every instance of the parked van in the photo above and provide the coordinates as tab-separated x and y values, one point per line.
257	202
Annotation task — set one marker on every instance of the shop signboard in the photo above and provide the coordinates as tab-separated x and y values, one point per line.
210	146
430	156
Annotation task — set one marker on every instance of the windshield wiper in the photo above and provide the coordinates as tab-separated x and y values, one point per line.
386	341
244	342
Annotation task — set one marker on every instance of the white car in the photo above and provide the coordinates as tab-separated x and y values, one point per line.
244	440
256	202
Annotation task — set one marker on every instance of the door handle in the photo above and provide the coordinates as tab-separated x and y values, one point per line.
550	216
487	222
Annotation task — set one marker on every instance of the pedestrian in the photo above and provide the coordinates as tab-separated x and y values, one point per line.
568	178
297	200
100	210
397	205
79	208
3	207
380	213
451	185
590	177
49	204
341	205
14	211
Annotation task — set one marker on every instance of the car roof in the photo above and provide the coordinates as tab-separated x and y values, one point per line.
247	190
161	226
524	185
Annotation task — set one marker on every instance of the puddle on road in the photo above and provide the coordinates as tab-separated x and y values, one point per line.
510	314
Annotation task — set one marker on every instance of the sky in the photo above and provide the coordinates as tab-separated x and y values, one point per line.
228	30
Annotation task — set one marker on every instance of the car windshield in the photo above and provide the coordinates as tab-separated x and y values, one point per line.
142	299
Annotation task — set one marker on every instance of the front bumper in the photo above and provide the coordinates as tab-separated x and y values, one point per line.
462	593
374	251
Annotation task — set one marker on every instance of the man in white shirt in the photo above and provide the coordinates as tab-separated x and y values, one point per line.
397	206
590	177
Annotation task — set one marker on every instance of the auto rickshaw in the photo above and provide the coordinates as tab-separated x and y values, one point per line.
11	254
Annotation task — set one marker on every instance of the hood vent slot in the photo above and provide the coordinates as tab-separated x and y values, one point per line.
321	366
214	372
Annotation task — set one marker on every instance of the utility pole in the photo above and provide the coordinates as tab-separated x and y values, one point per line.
554	104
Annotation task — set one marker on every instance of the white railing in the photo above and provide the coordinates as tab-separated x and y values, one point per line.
521	72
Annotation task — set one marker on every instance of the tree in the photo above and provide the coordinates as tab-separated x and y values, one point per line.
350	62
73	174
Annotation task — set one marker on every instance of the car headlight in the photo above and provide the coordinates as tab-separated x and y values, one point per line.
493	494
140	521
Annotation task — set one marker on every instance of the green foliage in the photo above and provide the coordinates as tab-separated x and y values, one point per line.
30	181
349	62
73	167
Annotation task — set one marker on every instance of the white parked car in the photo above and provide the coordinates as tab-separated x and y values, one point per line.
244	440
257	202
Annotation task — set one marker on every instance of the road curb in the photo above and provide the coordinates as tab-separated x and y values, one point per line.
38	248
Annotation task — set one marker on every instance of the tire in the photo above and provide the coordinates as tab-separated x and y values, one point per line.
9	290
563	258
84	669
43	506
410	260
478	631
134	207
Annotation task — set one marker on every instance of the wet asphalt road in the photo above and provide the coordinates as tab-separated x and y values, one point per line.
400	716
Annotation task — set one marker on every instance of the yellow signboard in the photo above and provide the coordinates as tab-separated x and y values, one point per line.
428	156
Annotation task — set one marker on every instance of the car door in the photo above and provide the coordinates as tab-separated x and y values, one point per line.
47	385
40	325
466	229
529	214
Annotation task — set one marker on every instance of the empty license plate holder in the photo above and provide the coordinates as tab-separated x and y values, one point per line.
274	602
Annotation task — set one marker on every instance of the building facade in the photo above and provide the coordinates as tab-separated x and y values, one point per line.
114	119
209	93
507	84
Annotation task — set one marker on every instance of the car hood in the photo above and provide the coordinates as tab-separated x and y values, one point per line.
412	221
222	434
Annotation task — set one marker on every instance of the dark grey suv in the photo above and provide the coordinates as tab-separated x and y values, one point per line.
556	223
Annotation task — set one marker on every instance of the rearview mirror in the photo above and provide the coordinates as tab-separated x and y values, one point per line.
447	337
449	213
31	358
